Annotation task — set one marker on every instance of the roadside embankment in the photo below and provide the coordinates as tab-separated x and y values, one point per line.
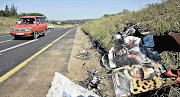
6	24
159	19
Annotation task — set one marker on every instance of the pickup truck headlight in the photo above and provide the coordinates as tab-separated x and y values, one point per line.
12	30
28	29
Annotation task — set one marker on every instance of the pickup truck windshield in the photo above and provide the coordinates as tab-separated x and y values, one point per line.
27	21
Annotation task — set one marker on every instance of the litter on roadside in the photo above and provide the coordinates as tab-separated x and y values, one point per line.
83	51
93	82
84	54
136	67
61	86
133	66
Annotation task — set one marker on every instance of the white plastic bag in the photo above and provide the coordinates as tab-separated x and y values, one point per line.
64	87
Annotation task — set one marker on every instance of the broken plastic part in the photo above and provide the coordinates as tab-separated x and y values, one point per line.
93	72
81	83
102	63
95	79
83	51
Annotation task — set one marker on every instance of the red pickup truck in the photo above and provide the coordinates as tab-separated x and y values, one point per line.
30	26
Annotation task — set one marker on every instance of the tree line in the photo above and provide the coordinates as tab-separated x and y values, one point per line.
12	12
9	12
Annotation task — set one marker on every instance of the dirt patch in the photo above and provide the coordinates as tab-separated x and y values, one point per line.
79	66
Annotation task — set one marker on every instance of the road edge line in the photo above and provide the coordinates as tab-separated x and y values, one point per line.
18	67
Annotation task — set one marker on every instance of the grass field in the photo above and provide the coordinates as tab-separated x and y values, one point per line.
6	23
155	18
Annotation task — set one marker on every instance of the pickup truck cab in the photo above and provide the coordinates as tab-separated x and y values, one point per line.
30	26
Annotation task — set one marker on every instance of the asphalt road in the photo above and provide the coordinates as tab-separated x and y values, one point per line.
13	52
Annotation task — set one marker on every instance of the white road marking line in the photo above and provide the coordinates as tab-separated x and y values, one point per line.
5	35
13	47
5	41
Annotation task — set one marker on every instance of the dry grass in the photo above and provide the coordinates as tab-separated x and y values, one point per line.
6	23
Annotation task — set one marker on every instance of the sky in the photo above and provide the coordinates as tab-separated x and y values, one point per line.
75	9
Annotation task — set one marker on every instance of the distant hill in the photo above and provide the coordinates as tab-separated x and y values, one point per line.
72	21
76	21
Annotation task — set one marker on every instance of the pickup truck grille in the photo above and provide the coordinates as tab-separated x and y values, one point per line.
17	30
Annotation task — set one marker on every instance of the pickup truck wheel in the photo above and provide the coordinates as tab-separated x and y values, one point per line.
35	35
45	33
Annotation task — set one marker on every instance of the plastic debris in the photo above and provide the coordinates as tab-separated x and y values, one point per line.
64	87
84	55
93	82
83	51
93	72
130	49
135	64
81	83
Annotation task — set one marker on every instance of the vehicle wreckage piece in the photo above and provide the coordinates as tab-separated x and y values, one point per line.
135	79
136	67
134	50
94	83
84	55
